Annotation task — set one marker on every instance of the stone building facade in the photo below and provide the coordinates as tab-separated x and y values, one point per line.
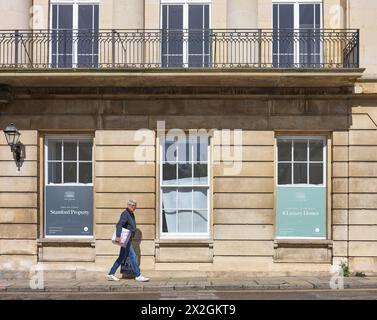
284	181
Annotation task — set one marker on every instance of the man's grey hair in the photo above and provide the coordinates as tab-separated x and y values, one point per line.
132	202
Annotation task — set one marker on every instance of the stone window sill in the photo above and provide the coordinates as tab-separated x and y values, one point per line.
65	242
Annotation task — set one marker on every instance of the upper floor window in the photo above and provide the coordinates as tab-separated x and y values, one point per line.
297	38
74	27
186	41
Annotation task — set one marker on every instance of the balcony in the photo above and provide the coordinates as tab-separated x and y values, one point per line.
179	49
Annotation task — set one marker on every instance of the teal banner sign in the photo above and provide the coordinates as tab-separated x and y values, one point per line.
301	212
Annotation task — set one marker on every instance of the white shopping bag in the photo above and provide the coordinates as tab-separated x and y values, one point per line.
124	237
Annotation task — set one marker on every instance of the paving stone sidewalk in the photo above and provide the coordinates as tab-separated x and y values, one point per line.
160	284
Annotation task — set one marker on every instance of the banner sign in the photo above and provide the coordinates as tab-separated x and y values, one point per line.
69	210
301	212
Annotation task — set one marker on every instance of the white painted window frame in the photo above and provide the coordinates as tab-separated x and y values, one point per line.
185	235
66	137
186	4
324	161
296	23
75	21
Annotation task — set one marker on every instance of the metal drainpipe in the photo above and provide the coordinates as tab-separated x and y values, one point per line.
348	185
348	151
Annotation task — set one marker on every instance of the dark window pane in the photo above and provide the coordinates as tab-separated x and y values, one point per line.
316	150
275	16
300	150
300	174
85	17
84	61
61	44
175	42
65	61
316	173
54	16
306	16
175	20
284	173
286	16
164	17
196	42
96	17
185	174
284	150
70	150
70	172
172	40
54	172
54	58
65	38
283	40
85	172
175	61
85	45
54	149
195	17
85	150
318	16
196	36
169	173
65	17
206	16
200	174
286	60
196	61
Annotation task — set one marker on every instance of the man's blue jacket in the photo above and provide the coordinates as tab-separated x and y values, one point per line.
126	220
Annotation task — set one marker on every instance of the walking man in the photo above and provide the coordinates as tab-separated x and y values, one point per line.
126	220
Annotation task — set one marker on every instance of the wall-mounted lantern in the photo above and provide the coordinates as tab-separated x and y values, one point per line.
12	136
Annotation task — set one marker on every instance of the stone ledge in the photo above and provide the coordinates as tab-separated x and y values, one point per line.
184	242
55	242
304	251
181	77
302	242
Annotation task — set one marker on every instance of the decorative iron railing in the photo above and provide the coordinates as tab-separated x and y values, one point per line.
283	48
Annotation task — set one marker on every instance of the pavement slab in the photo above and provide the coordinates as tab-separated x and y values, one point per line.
61	286
296	284
4	284
226	284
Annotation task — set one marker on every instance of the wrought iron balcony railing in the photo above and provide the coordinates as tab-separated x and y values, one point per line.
110	49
